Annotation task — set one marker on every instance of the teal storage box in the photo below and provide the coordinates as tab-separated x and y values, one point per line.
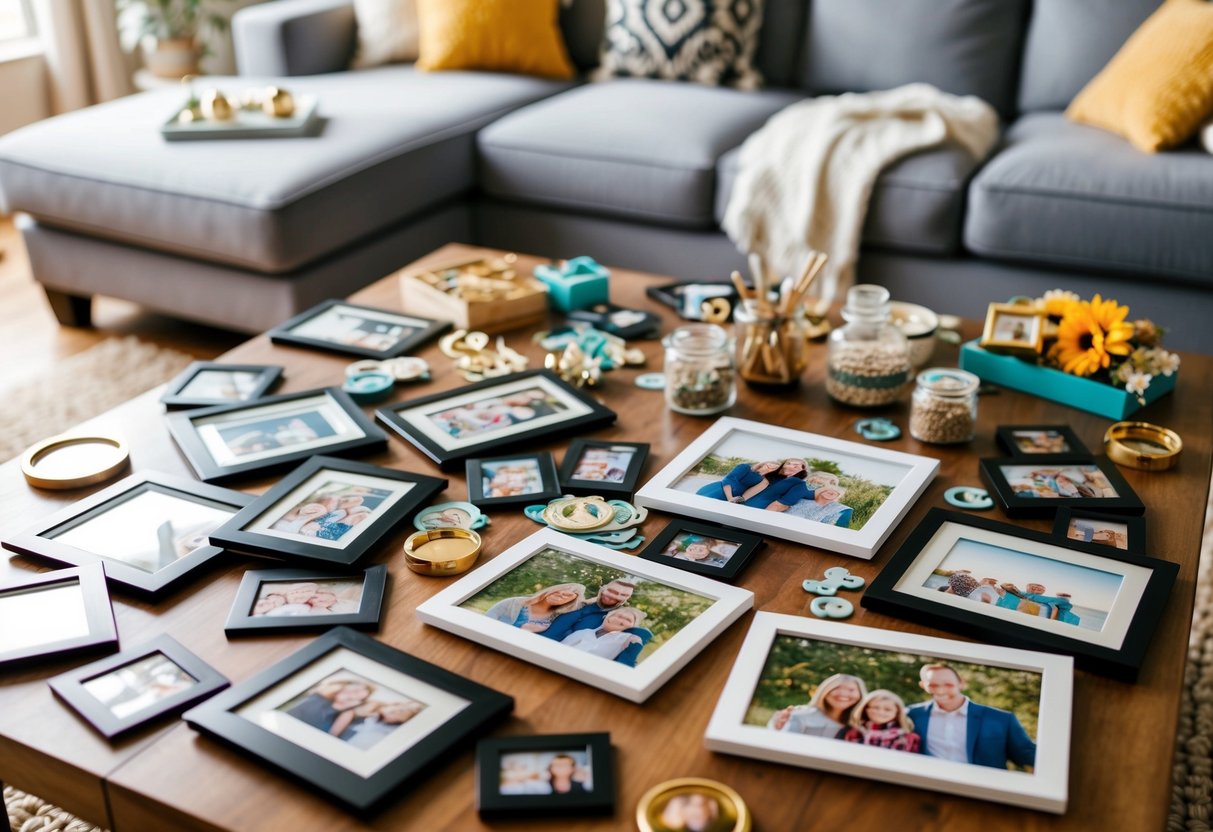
578	284
1082	393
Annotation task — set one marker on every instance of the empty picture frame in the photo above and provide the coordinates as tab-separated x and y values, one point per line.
51	614
1038	486
123	693
328	511
520	479
273	432
1121	531
703	548
208	383
290	600
545	775
1038	440
609	469
364	331
150	530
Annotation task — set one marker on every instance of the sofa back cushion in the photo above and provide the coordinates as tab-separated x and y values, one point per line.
965	47
1069	42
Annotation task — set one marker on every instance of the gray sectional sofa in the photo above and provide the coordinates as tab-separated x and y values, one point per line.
634	172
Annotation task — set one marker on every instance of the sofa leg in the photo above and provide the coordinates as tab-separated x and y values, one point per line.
70	310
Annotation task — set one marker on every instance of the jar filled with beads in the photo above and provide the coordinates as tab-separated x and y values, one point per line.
943	410
699	374
869	358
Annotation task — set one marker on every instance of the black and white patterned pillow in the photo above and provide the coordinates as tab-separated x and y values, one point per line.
706	41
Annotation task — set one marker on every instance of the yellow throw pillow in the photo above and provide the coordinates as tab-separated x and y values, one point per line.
496	35
1159	87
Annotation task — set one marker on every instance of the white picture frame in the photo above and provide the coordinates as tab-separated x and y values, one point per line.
1044	788
916	473
635	683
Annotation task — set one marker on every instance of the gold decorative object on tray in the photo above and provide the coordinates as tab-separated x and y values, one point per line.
484	293
66	461
1142	445
257	112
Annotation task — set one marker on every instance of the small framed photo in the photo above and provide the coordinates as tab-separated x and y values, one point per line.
1014	329
150	530
609	469
351	717
274	432
328	511
613	621
493	416
1011	585
865	702
1119	531
289	600
1038	440
48	615
364	331
555	774
206	383
518	479
703	548
122	693
837	495
1037	488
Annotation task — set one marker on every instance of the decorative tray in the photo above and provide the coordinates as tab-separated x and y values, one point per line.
249	124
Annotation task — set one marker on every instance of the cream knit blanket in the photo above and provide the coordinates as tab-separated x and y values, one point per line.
806	176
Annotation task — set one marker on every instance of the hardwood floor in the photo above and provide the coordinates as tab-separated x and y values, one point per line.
33	340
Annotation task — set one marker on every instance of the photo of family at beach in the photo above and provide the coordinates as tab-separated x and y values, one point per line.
352	708
546	772
494	413
598	610
698	548
967	713
1058	482
333	510
294	598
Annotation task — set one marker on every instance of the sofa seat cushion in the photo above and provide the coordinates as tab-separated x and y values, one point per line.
395	142
917	204
1067	194
639	149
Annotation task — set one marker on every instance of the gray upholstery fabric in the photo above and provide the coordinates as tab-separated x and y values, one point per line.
966	47
1075	196
631	148
396	142
294	37
917	204
1069	42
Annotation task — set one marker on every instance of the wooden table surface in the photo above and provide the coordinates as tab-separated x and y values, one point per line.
170	777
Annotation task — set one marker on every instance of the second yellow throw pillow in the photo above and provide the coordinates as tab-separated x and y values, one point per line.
495	35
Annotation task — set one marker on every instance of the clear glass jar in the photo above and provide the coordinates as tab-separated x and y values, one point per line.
943	409
869	358
772	349
699	373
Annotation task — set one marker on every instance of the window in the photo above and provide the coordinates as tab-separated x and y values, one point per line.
16	20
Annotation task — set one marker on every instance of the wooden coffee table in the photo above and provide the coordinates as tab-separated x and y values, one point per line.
170	777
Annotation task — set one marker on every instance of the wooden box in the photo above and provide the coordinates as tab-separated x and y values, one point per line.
485	294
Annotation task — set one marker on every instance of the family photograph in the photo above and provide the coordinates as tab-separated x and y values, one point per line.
1054	482
546	772
495	413
353	709
331	511
280	599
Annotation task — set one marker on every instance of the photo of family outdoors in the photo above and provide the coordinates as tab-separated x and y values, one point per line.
589	607
1053	482
278	599
1103	530
495	413
546	772
330	508
914	704
697	548
139	685
353	709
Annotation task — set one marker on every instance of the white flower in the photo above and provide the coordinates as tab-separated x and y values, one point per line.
1125	370
1168	363
1137	383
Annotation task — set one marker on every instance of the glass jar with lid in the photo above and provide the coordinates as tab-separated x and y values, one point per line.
699	374
943	409
869	358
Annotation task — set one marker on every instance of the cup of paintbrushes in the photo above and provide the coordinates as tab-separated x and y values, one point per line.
771	343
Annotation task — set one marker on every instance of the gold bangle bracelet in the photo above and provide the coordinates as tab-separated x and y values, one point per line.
67	461
1142	445
445	551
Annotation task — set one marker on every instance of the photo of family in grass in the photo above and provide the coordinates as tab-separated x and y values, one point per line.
494	413
333	510
352	708
590	607
1056	482
968	713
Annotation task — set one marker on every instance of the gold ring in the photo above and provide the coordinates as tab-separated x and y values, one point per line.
445	551
98	459
1142	445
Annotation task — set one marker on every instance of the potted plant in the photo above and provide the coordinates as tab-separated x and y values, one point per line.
169	30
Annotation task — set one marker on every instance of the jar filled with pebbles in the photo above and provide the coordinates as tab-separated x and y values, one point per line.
869	360
699	375
943	409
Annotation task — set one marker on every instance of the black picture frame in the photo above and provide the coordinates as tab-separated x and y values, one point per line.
185	426
586	413
674	295
610	318
599	800
241	621
883	595
1015	505
748	546
175	398
587	487
421	331
237	536
217	719
550	489
1005	434
101	635
71	687
1136	527
40	539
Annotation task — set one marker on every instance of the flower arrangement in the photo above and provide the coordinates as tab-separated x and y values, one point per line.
1096	339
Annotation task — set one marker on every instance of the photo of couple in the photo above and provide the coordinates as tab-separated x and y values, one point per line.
332	511
547	772
966	713
288	598
988	574
495	413
511	477
357	328
353	709
139	685
710	551
592	608
1058	482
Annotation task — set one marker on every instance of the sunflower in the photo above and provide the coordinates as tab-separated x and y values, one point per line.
1090	334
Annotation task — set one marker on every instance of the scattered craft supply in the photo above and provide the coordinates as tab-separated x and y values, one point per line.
878	429
369	387
651	381
473	358
66	461
580	354
578	283
836	578
456	514
610	523
482	293
619	320
825	607
970	497
442	551
715	310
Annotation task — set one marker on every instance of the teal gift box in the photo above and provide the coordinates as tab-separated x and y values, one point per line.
1075	391
578	284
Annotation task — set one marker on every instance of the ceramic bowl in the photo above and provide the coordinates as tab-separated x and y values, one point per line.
920	326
